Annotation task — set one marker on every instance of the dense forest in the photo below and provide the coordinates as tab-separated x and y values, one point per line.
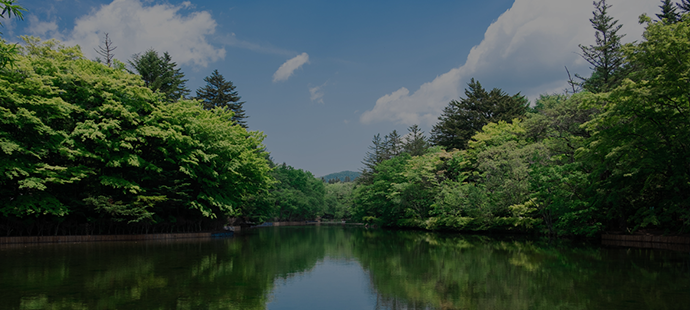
102	146
610	154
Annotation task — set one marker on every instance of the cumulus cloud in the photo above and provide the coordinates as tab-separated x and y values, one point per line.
135	27
43	29
289	67
524	50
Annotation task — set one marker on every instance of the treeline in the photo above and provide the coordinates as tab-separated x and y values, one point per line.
103	147
611	154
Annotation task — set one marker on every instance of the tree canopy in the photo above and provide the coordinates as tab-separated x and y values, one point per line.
85	143
460	120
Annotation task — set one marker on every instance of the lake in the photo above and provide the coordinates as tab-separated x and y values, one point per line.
336	267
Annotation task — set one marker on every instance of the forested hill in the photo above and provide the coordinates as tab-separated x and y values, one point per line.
350	175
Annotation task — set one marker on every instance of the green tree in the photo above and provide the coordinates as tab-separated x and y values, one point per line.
668	13
415	142
7	52
221	93
462	119
639	150
605	56
85	143
684	6
160	74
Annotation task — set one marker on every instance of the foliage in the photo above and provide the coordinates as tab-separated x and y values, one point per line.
159	74
638	151
87	142
460	120
668	14
338	200
222	94
296	195
605	56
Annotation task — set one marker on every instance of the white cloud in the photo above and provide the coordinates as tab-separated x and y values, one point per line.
286	69
316	93
525	50
135	27
43	29
232	40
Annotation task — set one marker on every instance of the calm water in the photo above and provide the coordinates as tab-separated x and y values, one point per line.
342	268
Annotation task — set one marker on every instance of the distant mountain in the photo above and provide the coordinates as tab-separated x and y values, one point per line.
341	176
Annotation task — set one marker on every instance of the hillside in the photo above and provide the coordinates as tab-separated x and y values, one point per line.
341	176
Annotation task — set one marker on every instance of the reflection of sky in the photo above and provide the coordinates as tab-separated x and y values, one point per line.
331	284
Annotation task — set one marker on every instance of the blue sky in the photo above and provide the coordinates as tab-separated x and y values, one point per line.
321	78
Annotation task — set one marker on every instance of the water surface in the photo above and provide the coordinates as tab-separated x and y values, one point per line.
342	268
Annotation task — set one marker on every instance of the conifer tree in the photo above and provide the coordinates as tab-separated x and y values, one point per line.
160	74
460	120
221	93
605	56
415	142
668	14
393	144
684	6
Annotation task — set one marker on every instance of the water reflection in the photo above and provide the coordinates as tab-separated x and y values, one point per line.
346	267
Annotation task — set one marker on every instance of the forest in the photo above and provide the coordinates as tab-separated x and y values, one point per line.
101	146
609	154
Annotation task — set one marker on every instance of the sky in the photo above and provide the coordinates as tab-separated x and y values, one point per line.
321	78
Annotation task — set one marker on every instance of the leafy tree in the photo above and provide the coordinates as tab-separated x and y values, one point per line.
668	12
7	52
462	119
605	56
9	9
160	74
639	150
221	93
89	144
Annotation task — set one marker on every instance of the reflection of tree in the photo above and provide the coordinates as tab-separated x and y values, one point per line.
413	270
408	269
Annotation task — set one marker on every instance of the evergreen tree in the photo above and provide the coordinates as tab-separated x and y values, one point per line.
393	145
462	119
160	74
221	93
684	6
415	142
373	157
668	15
605	56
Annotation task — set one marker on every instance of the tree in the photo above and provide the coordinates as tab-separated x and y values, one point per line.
639	150
11	9
684	6
393	144
107	51
221	93
462	119
415	142
160	74
668	14
7	52
605	56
